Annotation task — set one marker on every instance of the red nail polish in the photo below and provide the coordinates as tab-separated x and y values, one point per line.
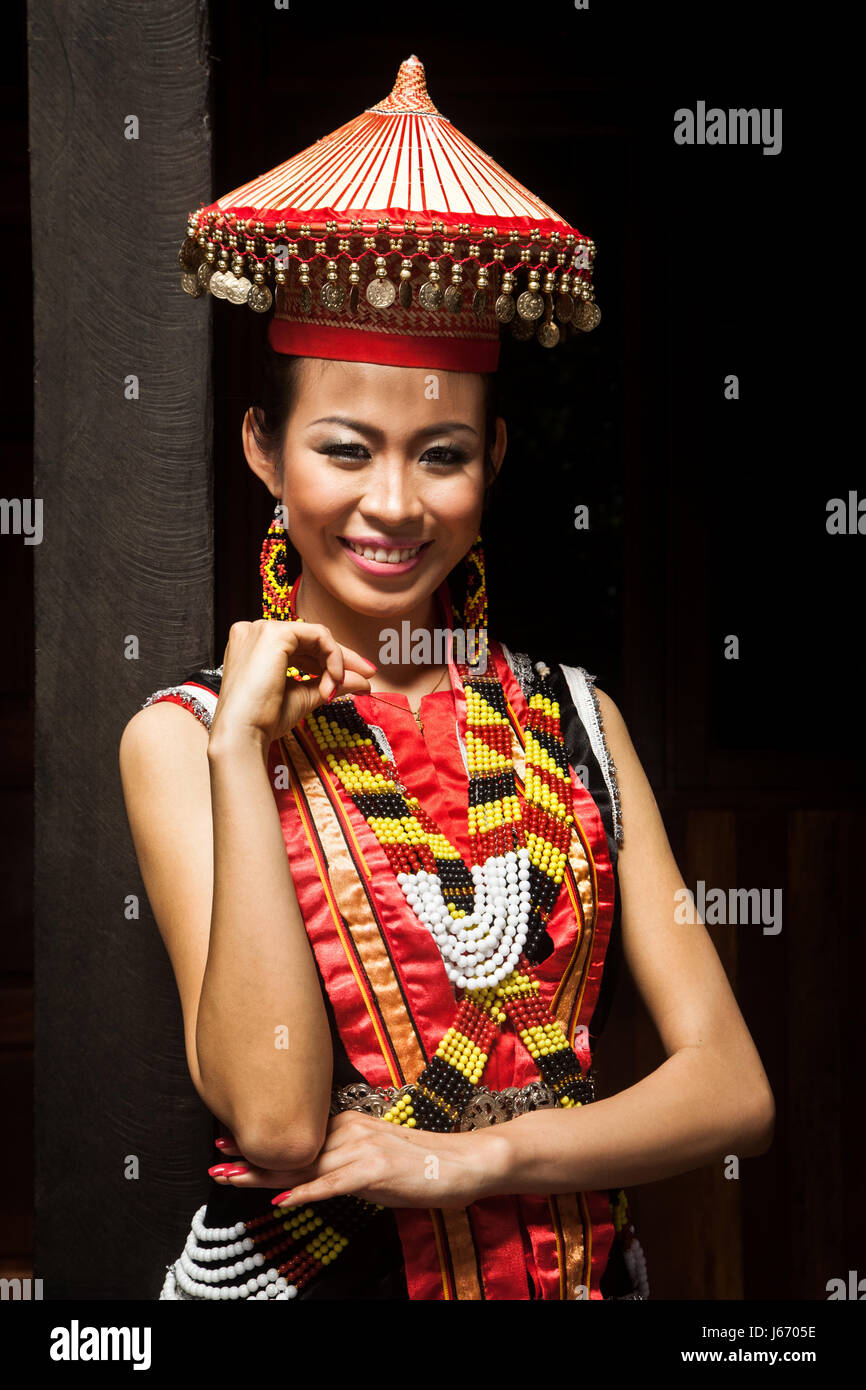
217	1170
235	1169
283	1197
221	1143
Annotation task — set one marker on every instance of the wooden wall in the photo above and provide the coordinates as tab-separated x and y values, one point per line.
123	605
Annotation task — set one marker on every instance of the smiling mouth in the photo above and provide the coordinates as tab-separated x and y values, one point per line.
383	556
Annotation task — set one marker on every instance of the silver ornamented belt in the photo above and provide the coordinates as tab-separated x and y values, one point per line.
485	1107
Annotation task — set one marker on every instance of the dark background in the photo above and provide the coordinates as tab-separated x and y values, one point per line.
707	518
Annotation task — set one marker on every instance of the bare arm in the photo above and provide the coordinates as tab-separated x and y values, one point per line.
711	1096
210	846
236	939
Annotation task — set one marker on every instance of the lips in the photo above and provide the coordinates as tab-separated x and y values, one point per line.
384	555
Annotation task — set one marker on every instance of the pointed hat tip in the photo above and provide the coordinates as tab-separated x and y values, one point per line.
409	92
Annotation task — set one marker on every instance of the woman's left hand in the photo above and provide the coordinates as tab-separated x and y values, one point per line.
386	1163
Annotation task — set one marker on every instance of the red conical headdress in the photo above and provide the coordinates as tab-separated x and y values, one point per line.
395	239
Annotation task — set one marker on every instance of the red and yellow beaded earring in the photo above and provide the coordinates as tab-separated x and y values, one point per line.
474	614
475	601
278	594
276	587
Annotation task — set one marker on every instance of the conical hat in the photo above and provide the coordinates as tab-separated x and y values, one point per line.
395	239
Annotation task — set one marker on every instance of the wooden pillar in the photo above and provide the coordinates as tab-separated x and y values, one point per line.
120	150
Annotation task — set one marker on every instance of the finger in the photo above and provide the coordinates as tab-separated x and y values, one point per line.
338	1182
310	641
356	662
227	1145
245	1175
333	677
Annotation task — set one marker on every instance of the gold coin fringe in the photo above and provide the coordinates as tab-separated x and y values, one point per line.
542	282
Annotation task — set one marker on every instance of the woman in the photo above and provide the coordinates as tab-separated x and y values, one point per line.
391	875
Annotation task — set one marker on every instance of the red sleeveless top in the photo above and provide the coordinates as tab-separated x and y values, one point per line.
392	1001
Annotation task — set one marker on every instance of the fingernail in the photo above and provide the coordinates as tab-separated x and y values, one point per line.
235	1169
330	697
221	1143
283	1197
370	663
217	1170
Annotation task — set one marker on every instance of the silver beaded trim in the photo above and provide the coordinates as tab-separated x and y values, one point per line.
635	1262
582	690
522	668
485	1107
192	701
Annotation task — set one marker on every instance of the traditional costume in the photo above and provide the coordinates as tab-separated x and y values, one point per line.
456	871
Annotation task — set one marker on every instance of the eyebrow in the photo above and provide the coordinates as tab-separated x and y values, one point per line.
373	433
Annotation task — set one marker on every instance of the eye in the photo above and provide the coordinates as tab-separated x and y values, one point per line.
442	455
347	451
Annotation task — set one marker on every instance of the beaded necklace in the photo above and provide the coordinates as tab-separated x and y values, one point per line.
488	920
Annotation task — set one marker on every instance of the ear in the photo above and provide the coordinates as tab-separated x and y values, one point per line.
497	452
265	466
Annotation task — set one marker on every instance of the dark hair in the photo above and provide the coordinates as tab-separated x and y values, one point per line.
278	392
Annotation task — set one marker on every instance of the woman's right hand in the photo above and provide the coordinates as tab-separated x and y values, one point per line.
256	696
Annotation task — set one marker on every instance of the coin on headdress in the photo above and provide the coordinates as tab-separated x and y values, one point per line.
430	294
381	293
217	285
354	296
306	299
587	316
529	305
454	299
189	254
523	328
479	303
564	306
333	295
204	273
189	281
260	299
547	333
505	308
405	293
239	287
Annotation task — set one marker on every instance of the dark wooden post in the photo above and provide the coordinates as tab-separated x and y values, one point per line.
120	148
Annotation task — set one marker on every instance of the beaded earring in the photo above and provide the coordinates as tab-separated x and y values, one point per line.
473	617
276	588
277	592
475	600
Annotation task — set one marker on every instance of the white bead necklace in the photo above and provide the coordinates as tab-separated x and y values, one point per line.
482	948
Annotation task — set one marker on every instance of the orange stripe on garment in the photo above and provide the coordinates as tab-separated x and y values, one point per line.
347	826
556	1224
462	1246
567	1001
439	1236
576	1236
295	781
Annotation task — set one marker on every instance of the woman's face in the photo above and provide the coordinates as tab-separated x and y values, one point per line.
383	479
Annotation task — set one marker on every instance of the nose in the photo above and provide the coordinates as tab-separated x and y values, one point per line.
391	497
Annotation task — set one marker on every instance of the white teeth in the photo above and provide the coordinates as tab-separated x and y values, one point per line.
384	557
